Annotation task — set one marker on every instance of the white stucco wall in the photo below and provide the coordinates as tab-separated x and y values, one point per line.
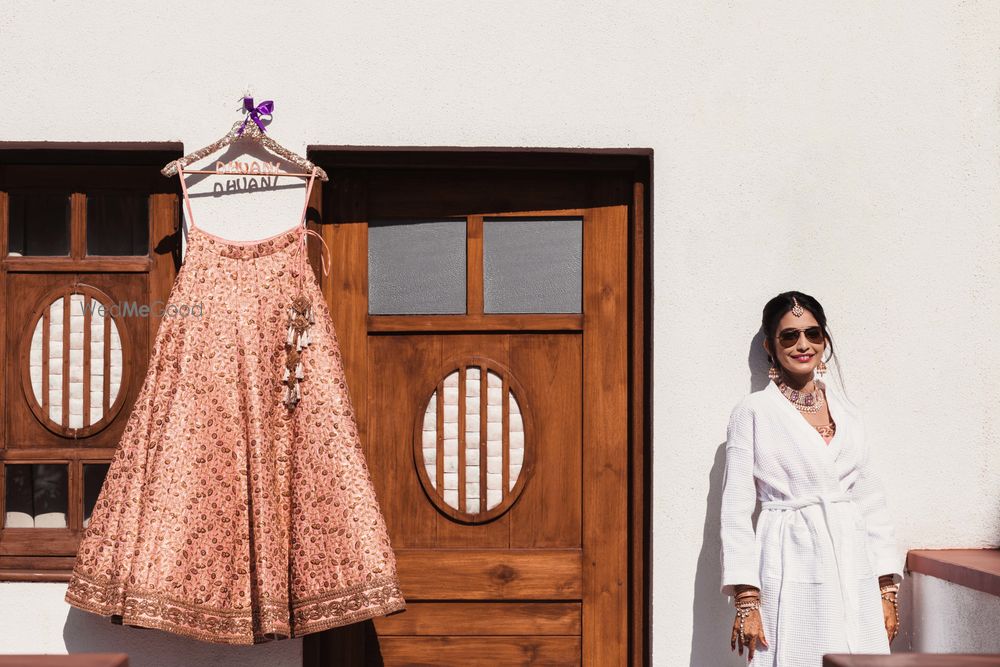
845	149
948	618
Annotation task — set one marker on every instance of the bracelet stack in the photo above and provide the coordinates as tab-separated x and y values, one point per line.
744	605
888	592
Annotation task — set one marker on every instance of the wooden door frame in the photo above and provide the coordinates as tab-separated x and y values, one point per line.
79	168
636	165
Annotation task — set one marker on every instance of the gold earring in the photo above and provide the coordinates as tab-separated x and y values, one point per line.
821	369
773	374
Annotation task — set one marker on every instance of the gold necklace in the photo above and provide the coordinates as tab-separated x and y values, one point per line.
805	401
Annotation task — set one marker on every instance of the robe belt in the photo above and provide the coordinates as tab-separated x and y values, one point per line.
796	504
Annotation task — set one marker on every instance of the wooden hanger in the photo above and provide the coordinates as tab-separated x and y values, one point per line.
252	132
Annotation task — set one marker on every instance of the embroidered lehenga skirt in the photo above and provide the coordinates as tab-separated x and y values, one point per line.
238	507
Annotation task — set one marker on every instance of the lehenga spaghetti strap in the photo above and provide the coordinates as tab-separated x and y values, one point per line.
191	226
187	203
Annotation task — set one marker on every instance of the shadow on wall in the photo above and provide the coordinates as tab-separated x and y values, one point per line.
242	156
757	363
712	613
906	598
88	633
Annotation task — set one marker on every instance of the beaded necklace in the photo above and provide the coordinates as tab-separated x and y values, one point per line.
811	402
805	401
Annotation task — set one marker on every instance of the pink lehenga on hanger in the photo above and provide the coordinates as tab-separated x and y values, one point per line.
238	507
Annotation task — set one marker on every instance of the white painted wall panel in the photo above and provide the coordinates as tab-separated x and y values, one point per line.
948	618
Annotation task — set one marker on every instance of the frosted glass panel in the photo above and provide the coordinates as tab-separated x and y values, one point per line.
532	265
416	267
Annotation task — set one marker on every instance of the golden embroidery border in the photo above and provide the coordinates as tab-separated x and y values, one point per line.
322	597
239	622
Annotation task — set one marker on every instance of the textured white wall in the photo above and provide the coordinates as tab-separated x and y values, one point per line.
846	149
952	619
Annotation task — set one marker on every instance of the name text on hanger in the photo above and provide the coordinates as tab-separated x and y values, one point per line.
251	167
245	184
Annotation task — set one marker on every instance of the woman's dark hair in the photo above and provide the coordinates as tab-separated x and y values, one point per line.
776	308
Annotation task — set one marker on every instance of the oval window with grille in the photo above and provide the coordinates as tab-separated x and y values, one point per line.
73	368
471	446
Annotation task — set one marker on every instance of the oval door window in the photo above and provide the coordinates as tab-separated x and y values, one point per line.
472	447
73	376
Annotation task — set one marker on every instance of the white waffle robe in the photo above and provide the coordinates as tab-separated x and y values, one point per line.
823	535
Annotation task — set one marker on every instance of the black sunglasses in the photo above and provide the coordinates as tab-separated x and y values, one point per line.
789	337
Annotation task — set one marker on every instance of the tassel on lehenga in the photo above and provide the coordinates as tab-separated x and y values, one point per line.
300	317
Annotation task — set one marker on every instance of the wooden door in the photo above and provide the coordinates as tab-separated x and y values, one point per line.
489	375
88	253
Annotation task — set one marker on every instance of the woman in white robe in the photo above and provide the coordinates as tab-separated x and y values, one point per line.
824	538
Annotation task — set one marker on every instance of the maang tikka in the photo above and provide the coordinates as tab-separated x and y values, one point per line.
797	310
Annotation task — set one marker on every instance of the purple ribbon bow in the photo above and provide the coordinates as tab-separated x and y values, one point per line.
254	112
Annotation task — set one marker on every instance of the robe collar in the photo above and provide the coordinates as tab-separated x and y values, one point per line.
838	413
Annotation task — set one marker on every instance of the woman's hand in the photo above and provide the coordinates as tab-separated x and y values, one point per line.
753	634
890	616
890	612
